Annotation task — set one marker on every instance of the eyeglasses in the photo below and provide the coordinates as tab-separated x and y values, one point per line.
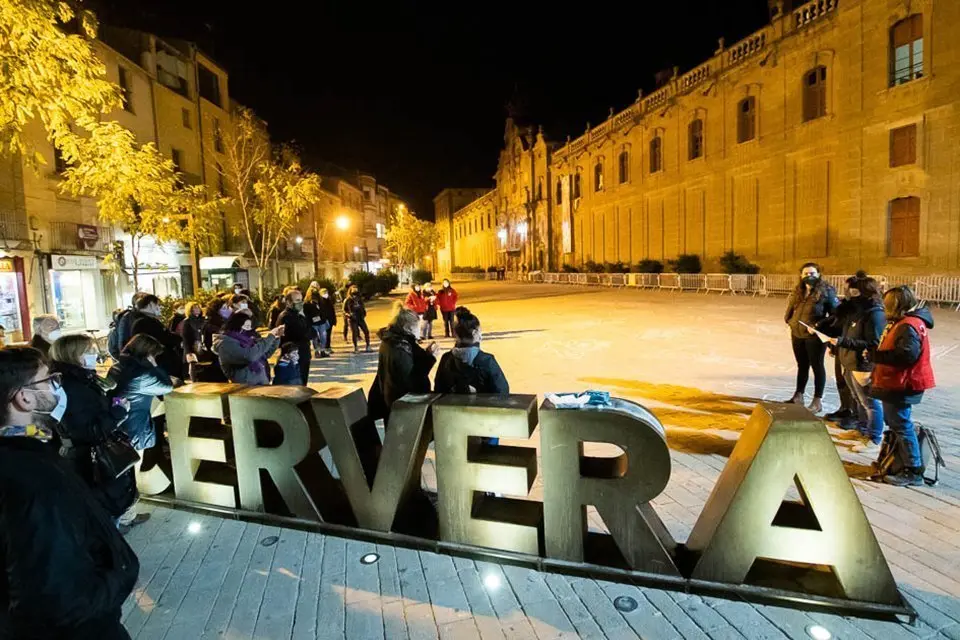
55	380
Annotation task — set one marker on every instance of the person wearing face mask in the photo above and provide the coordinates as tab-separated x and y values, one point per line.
355	315
243	354
91	419
902	373
67	569
176	320
430	313
148	322
297	329
447	301
417	303
811	301
287	371
861	321
121	329
328	320
46	330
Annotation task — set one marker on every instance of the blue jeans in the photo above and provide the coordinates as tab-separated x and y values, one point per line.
869	410
321	330
897	417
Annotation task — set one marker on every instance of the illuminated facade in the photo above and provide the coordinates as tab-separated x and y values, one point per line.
828	135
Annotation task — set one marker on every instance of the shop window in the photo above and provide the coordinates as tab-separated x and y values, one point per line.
903	145
906	50
126	89
904	241
695	139
747	119
598	176
815	93
623	167
187	118
656	154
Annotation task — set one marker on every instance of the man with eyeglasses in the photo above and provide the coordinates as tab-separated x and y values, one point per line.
67	569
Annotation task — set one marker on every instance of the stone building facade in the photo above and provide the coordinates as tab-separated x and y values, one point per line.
828	135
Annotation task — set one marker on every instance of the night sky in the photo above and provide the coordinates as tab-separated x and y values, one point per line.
417	93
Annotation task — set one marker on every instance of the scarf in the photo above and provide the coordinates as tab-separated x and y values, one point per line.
41	433
246	341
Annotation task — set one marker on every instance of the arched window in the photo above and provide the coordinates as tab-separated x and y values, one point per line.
904	228
695	139
747	119
576	185
623	165
815	93
559	197
906	50
656	154
598	176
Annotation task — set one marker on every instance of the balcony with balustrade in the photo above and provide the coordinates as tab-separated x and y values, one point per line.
13	227
70	237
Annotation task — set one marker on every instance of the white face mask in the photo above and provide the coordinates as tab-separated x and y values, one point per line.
54	335
61	408
242	306
324	295
90	361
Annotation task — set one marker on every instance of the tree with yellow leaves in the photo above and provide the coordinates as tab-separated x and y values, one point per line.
409	239
49	71
273	189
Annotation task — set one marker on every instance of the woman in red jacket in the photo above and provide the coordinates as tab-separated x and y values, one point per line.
902	373
447	301
417	303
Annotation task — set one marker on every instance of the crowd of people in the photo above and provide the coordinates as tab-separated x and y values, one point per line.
70	439
881	346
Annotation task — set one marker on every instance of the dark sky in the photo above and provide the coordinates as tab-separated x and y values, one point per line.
416	92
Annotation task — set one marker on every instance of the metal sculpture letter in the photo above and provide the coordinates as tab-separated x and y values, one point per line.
466	467
620	488
196	426
745	517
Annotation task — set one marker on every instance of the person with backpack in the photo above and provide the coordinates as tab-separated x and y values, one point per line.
121	329
902	372
466	368
147	321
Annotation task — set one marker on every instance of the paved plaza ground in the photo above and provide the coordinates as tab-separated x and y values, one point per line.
698	362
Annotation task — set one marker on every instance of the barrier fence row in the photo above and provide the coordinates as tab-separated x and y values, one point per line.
934	289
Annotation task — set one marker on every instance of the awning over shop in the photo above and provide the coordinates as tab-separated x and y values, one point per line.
221	263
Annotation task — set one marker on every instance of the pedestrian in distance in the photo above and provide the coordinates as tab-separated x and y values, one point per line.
418	304
811	301
328	320
861	321
430	314
46	331
403	367
68	570
297	329
92	420
902	373
355	315
287	371
447	302
243	353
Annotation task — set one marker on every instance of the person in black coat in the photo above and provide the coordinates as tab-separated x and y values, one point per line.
273	313
355	315
67	568
90	420
466	368
208	369
297	329
148	322
404	366
812	300
328	317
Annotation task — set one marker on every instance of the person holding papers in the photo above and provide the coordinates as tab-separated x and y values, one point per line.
811	301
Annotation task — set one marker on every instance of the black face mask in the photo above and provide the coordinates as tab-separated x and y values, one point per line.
811	280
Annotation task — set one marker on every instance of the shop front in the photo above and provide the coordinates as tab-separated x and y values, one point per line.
220	273
14	310
77	292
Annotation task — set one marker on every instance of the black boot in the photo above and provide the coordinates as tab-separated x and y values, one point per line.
839	415
909	477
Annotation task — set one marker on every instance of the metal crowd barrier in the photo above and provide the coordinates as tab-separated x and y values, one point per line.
940	290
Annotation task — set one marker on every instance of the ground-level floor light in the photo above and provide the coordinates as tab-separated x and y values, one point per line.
194	527
369	558
491	581
817	632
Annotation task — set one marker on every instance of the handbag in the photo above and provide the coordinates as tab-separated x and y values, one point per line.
114	457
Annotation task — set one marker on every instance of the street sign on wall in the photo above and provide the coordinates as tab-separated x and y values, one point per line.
73	263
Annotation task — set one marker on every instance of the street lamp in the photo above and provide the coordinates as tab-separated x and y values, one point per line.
299	240
343	222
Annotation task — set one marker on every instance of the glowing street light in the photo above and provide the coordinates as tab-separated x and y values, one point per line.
502	234
356	249
299	240
343	223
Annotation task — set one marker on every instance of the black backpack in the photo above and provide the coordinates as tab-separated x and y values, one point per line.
890	463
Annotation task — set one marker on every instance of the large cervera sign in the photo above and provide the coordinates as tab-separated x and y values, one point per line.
313	453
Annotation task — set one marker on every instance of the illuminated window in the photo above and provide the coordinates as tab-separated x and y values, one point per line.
598	176
815	93
906	50
656	154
